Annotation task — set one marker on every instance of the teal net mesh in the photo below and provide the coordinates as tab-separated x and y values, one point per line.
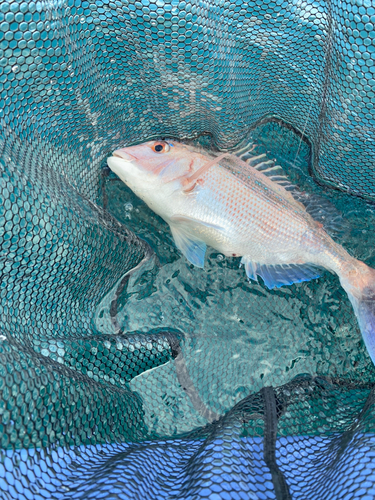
124	371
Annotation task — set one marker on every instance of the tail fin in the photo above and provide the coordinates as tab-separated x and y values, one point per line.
359	284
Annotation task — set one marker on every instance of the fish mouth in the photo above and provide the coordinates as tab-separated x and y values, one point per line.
124	155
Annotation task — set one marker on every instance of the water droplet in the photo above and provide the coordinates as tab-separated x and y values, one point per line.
15	69
220	257
128	207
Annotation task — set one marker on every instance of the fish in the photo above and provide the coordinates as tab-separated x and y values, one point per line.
220	200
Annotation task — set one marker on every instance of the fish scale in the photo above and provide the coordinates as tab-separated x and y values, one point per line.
231	206
224	199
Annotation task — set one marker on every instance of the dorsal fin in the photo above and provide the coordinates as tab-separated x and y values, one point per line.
323	212
268	168
319	208
271	174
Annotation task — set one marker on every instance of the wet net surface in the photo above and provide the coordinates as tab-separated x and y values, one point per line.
125	372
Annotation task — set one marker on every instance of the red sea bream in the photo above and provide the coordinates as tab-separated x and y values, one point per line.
221	201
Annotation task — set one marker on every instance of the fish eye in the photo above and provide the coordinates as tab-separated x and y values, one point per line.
160	147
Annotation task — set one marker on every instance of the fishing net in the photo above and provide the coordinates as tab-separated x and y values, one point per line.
124	371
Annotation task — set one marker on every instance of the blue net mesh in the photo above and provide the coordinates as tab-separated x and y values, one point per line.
120	375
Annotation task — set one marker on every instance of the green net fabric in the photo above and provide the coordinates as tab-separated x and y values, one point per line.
124	372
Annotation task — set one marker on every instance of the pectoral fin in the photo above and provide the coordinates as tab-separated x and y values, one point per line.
184	230
193	248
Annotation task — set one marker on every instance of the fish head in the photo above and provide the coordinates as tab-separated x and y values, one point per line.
156	169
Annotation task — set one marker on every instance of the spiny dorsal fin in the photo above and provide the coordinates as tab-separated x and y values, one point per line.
268	168
319	208
274	174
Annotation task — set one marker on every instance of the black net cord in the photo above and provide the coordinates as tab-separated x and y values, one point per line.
348	435
124	283
188	386
328	48
105	172
269	444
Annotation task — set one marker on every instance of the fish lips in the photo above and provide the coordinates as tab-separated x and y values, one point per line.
120	163
124	154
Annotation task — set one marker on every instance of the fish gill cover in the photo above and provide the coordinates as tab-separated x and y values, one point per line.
124	373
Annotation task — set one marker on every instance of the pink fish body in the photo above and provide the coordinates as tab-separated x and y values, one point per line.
223	202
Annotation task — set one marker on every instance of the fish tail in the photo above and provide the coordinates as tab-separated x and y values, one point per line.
359	284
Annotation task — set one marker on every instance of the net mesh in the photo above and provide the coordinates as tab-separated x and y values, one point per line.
125	373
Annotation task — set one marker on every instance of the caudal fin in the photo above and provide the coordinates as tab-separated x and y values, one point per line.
359	284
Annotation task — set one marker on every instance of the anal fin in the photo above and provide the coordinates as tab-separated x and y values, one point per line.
275	276
250	268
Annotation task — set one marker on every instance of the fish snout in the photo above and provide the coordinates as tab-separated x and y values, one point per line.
124	154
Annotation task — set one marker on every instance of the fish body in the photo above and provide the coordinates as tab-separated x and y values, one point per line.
223	202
